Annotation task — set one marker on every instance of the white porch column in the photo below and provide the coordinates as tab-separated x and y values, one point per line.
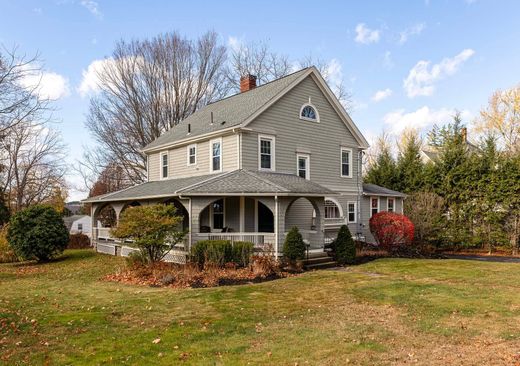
276	230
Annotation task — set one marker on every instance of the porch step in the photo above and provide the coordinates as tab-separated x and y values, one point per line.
319	261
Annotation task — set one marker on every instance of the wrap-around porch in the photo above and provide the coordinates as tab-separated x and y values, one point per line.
261	219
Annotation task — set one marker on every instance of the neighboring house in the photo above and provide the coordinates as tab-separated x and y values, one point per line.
79	224
430	153
254	165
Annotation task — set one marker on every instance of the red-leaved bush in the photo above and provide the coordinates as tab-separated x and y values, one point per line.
391	230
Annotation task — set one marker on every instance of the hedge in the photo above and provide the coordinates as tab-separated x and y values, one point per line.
220	252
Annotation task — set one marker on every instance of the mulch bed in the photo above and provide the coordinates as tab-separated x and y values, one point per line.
190	276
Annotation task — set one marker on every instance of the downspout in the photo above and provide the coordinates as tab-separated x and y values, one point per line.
276	227
359	233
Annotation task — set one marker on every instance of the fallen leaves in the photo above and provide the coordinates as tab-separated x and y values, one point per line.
156	340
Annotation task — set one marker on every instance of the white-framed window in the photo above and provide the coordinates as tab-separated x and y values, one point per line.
192	154
215	155
303	166
331	210
390	204
164	165
266	152
346	162
374	205
217	214
308	112
351	212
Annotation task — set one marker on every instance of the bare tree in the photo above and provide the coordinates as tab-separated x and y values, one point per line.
17	101
146	88
34	158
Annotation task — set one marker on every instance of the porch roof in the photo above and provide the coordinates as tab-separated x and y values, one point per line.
236	182
375	190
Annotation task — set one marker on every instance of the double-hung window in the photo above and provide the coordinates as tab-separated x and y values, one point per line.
351	212
374	206
216	155
302	162
266	152
390	204
164	165
346	162
192	154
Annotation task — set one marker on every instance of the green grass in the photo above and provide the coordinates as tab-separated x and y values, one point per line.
389	311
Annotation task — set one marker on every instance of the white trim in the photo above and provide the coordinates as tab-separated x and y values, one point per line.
336	202
355	212
273	152
188	154
161	164
239	151
388	204
276	224
350	167
211	155
378	204
307	165
315	111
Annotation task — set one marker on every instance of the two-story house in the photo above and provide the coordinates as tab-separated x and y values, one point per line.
255	164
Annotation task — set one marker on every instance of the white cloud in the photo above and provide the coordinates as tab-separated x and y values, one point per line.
90	80
366	35
47	84
412	31
234	43
382	94
422	77
399	120
92	7
387	60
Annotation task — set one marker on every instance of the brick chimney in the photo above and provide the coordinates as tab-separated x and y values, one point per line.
464	134
247	82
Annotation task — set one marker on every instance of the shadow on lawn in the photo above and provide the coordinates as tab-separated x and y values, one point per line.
70	256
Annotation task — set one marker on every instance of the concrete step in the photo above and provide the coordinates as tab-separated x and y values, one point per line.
316	260
311	267
316	254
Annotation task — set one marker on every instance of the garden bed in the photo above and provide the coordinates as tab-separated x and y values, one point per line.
172	275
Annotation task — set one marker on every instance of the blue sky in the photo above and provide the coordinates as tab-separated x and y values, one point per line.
407	63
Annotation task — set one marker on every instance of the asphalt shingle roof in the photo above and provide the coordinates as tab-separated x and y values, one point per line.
374	189
227	112
234	182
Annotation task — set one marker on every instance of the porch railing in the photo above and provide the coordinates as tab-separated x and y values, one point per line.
258	239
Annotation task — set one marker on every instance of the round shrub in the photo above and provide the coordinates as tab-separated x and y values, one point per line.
294	247
392	231
344	246
37	232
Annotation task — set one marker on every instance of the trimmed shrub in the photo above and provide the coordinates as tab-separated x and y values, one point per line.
392	231
37	232
344	246
78	241
294	247
220	252
242	253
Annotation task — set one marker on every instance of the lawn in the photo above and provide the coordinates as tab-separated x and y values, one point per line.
389	311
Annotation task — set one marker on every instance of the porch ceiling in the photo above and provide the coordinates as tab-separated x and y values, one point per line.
237	182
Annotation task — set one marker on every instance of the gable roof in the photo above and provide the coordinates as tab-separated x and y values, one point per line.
236	182
240	109
375	190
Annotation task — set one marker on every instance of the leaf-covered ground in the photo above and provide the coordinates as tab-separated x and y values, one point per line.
386	312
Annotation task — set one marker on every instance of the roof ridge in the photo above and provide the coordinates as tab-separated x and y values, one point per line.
265	180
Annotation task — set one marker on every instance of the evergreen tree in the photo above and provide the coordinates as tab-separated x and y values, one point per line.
410	167
383	170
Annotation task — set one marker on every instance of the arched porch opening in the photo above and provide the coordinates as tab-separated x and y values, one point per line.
306	215
105	216
181	211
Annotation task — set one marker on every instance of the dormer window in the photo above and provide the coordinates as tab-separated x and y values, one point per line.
309	113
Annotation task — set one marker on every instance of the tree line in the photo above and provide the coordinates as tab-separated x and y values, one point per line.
461	193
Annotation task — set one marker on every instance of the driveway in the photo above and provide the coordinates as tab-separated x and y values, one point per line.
484	258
